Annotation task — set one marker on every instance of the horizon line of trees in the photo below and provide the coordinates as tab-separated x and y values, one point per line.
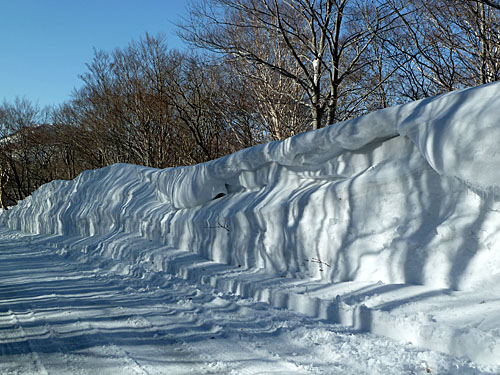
261	70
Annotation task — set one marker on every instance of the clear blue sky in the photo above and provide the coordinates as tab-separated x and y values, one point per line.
44	44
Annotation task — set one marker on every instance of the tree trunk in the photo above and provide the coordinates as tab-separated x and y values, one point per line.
316	112
4	178
484	43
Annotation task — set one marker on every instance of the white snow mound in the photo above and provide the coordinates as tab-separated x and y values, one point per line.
402	195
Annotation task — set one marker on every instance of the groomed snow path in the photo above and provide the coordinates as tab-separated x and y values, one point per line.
64	313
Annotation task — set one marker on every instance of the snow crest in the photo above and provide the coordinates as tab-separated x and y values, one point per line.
458	134
389	196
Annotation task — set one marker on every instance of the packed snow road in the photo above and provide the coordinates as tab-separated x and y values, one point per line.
59	315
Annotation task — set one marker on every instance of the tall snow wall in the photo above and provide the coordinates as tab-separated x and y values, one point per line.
402	195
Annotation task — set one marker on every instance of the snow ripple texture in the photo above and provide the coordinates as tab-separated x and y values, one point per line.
402	195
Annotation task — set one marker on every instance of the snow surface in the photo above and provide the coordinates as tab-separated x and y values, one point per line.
70	312
387	223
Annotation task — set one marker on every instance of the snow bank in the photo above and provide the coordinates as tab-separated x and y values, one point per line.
458	134
378	198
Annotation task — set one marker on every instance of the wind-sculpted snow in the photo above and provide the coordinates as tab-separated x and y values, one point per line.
380	197
312	153
458	133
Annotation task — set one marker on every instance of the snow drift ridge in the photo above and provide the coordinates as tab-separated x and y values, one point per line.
362	198
443	128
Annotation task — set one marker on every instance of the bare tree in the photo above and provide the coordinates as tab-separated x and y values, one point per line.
27	152
320	45
276	100
450	44
147	105
491	3
122	108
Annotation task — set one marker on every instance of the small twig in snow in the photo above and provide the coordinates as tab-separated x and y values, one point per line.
219	225
315	260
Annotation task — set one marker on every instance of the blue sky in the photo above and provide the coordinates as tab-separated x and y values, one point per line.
44	44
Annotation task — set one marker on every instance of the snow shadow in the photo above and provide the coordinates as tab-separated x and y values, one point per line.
50	305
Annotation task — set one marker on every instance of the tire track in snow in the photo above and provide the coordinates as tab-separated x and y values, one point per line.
8	364
133	364
70	318
36	360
